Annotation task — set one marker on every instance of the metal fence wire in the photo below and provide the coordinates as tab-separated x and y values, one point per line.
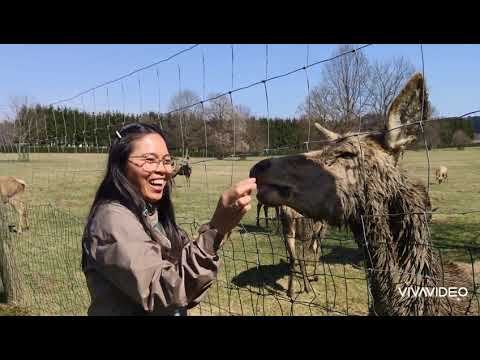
40	269
346	275
41	266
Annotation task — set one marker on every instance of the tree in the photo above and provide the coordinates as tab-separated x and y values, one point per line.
227	125
186	117
351	88
315	106
7	136
341	97
255	134
432	133
23	121
385	82
183	99
343	93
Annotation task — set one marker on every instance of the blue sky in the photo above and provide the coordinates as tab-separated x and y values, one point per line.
48	73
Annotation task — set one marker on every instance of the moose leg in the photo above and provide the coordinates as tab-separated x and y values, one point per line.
315	257
277	219
303	270
291	268
24	216
265	210
19	207
259	207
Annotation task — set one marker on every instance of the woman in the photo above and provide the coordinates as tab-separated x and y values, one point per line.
136	260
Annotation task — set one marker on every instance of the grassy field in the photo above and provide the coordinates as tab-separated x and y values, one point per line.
254	272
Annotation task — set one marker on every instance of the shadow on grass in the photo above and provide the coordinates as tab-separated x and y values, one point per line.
265	276
271	229
333	254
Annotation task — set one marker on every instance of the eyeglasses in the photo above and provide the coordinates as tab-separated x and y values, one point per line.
151	163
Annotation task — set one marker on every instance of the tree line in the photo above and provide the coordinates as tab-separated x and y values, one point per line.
48	129
353	94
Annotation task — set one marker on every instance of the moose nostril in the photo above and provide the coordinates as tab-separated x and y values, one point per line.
260	167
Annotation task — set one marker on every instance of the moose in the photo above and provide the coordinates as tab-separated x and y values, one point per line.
354	182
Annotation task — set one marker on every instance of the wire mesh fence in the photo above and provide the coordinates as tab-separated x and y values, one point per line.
344	276
41	269
41	266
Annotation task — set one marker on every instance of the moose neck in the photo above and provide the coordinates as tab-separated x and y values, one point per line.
394	234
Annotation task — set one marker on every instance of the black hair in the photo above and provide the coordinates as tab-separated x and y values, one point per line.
115	186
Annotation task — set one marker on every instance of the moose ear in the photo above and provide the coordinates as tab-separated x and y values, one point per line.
330	135
405	108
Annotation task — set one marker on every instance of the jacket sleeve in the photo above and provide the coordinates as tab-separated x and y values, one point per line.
125	255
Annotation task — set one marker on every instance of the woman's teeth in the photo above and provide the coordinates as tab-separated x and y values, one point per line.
156	182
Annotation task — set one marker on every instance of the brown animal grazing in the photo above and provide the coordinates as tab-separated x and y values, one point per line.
353	182
265	210
10	190
441	174
185	170
309	233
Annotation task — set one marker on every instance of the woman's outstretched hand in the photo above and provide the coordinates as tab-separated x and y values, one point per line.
233	204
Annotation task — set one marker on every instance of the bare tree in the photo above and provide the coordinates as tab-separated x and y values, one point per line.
227	125
18	107
345	80
186	116
343	91
315	105
385	81
7	132
25	122
184	99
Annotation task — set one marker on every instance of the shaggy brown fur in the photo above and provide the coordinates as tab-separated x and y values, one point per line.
309	233
354	182
10	190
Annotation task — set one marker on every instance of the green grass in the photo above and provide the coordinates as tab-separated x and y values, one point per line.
254	274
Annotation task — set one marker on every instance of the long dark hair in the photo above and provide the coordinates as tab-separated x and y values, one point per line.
115	186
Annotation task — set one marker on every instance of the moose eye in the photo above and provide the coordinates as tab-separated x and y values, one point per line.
346	155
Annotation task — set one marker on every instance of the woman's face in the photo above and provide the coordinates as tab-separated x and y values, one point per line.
145	168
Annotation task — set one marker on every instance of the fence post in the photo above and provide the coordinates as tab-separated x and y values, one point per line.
8	270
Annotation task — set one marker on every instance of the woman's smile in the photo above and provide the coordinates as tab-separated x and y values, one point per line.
157	184
151	181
